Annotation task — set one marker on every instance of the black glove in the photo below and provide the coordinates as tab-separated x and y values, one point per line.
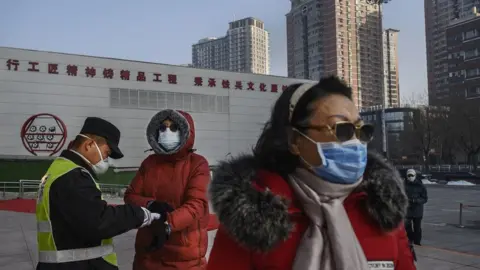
161	208
161	232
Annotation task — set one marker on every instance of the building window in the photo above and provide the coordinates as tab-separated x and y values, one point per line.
471	54
397	126
473	92
470	34
158	100
472	72
394	116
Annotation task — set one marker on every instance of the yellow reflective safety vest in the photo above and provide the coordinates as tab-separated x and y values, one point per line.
47	250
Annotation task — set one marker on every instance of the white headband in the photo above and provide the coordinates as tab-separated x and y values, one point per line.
297	95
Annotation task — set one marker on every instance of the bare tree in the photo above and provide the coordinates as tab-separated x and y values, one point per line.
415	99
465	122
447	139
422	130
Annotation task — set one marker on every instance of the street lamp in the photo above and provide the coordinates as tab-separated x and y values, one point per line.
384	133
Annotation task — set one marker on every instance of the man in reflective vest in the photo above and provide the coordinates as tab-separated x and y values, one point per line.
75	225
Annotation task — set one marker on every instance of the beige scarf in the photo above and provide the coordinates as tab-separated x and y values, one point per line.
330	242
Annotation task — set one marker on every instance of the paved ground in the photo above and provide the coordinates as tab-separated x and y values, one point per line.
441	219
445	245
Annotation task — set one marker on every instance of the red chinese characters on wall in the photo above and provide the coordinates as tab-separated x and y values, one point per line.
274	88
140	76
225	84
125	75
263	87
90	72
157	77
33	66
13	64
108	73
238	85
53	68
72	70
212	82
172	79
198	81
250	86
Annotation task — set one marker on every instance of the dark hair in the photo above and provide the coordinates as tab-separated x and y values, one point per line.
272	149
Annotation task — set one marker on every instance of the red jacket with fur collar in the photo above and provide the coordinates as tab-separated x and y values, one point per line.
180	178
262	224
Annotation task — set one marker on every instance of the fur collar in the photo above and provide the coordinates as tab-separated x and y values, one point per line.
260	220
152	130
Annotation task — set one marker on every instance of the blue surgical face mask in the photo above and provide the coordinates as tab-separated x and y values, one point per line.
342	163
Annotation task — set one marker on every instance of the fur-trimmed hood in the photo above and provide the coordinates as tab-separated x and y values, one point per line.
185	126
260	219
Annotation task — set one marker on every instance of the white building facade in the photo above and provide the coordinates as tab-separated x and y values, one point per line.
245	48
229	109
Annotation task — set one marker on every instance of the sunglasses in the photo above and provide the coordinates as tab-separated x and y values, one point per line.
173	127
344	131
410	175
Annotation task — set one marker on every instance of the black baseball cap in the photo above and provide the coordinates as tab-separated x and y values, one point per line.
102	128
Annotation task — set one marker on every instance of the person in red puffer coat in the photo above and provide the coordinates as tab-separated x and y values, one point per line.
311	196
174	176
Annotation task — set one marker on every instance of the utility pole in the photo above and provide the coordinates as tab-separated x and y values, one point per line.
384	134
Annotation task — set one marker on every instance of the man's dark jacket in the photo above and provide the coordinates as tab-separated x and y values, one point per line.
417	197
81	219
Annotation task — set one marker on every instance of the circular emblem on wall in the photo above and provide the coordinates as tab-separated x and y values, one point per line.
43	134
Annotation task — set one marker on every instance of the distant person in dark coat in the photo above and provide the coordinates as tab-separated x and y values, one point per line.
417	197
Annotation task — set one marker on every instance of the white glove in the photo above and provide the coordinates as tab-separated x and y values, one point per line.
149	217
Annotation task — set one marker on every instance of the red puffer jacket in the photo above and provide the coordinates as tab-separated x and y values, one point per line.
262	224
179	178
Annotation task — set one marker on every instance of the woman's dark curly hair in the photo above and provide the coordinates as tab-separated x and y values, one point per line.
272	149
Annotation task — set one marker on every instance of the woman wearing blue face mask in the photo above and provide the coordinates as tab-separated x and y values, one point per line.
310	196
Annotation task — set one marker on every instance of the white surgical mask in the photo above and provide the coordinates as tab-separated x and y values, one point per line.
169	139
100	167
411	178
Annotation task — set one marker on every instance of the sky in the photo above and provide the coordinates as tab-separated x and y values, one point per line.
164	31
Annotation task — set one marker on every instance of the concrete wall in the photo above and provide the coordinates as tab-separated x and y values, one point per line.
227	120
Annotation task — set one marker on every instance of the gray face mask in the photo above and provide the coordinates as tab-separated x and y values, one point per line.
169	139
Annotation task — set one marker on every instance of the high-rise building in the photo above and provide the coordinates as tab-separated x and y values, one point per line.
338	37
463	50
438	16
211	53
245	48
390	68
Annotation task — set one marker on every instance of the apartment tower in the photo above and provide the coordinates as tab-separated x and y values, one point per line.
390	68
338	37
463	48
439	14
245	48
